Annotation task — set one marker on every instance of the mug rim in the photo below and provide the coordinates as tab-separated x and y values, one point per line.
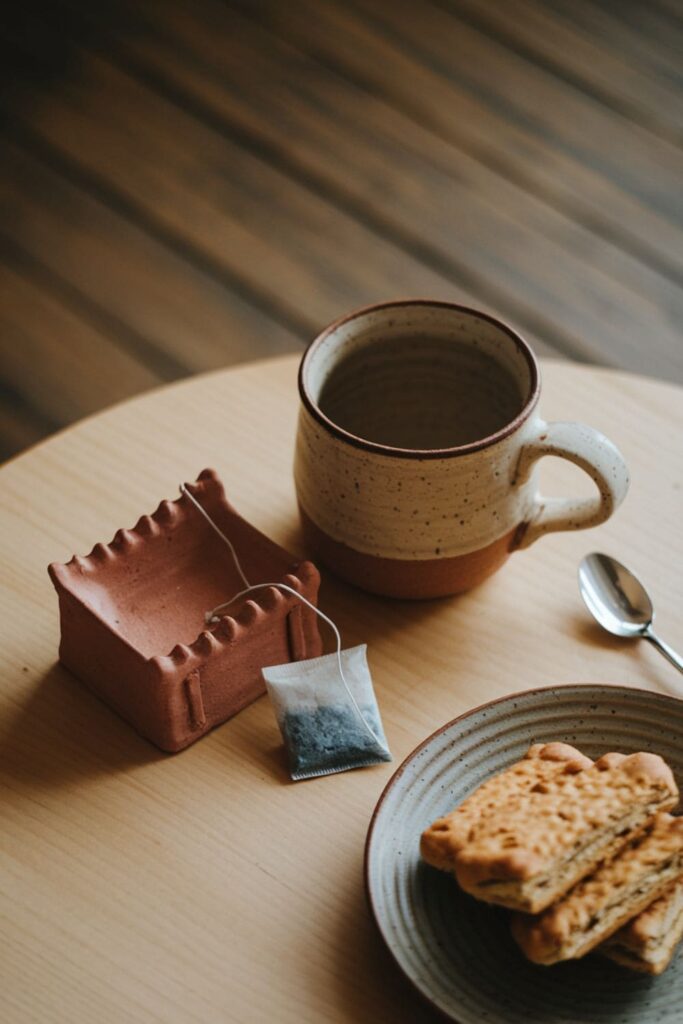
421	453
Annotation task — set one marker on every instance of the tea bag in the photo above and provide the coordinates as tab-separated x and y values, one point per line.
327	712
326	707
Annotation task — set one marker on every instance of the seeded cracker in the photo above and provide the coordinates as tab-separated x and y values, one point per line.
600	904
535	841
647	943
443	841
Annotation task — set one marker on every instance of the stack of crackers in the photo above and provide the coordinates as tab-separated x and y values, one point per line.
584	852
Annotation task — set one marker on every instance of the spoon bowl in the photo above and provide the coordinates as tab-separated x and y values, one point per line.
614	597
619	602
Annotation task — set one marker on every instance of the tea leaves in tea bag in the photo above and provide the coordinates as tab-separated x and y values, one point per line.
327	726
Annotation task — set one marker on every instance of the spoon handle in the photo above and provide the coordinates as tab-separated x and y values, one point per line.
667	651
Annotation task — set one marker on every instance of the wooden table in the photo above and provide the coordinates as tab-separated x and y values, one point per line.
207	887
190	183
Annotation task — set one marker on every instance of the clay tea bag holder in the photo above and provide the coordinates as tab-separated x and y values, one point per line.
133	627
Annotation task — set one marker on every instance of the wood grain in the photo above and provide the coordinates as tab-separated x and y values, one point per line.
547	154
20	424
206	887
190	185
552	277
95	371
585	59
226	203
647	34
155	298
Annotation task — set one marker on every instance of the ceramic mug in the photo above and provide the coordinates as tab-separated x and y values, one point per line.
417	445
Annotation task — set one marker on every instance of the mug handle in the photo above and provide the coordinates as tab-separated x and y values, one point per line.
595	454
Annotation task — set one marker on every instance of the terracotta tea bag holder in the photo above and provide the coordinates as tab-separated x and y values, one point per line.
133	617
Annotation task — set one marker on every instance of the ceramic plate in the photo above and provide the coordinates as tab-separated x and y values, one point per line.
458	952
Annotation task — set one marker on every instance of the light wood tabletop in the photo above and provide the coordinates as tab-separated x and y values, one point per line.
206	886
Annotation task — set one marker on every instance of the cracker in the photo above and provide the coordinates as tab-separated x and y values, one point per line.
447	836
525	837
600	904
647	943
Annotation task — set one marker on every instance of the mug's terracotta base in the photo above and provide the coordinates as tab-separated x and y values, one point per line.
416	580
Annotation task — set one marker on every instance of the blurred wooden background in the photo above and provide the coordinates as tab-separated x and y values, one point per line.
185	185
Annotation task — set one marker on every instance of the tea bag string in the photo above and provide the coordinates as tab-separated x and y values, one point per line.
212	616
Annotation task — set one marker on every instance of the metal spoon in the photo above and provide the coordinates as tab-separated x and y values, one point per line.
620	602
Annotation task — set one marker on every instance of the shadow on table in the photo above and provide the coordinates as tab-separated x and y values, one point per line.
266	754
652	669
63	734
364	618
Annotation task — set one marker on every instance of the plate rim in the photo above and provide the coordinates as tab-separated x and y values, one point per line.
650	694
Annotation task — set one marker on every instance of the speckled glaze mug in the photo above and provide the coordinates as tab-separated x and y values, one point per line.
416	450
